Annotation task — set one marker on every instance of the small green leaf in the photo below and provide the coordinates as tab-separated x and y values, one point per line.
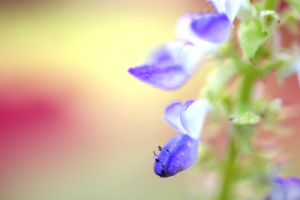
247	118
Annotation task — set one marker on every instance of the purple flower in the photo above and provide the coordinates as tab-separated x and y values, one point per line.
170	66
285	189
181	151
213	28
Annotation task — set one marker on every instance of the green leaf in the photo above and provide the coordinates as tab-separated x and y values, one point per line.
251	35
247	118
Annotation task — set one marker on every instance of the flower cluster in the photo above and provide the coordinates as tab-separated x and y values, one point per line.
255	56
172	64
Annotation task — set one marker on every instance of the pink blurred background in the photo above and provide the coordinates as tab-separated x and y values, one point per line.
74	125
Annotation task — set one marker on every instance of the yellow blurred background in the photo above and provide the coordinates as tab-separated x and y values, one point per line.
74	124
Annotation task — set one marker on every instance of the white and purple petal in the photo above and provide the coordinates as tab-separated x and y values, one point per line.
232	8
173	112
219	5
193	117
183	27
165	75
213	28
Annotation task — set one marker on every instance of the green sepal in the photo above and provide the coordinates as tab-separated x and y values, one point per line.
269	18
247	118
251	35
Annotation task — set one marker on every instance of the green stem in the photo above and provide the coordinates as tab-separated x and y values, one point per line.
228	173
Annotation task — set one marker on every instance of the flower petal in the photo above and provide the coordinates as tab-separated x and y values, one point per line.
232	8
213	28
193	54
193	117
189	54
164	75
183	27
179	153
172	114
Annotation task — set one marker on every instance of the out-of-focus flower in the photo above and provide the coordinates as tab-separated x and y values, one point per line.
296	68
285	189
293	68
213	28
181	151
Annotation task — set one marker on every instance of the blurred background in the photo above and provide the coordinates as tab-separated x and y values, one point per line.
74	125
